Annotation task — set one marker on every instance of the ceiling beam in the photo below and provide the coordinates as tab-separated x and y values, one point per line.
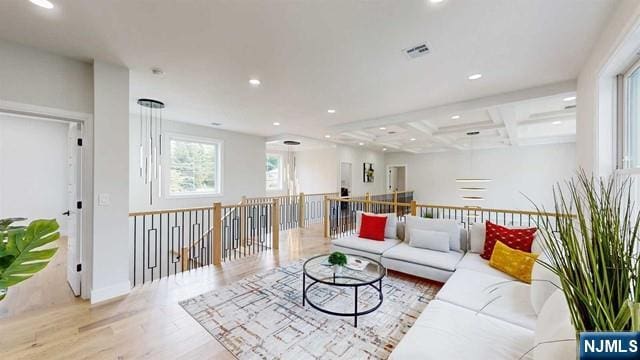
555	89
468	127
427	130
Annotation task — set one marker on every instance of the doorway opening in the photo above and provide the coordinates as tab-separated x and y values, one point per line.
40	163
345	179
396	178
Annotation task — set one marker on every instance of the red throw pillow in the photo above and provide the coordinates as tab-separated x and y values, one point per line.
519	239
373	227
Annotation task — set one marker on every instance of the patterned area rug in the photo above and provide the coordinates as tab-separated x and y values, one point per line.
261	317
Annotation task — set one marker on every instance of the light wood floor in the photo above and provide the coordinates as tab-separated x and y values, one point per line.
147	323
46	289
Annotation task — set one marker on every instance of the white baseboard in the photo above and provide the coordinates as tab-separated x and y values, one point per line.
110	292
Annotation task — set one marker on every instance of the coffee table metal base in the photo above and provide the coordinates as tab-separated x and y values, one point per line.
355	312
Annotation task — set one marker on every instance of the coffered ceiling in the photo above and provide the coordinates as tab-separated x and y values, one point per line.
346	55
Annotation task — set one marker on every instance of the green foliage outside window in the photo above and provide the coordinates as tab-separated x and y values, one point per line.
193	167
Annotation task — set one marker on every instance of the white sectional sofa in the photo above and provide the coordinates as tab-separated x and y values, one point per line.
480	312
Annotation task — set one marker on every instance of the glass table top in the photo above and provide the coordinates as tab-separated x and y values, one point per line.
319	269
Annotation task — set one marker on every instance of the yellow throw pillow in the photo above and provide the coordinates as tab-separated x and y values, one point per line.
514	262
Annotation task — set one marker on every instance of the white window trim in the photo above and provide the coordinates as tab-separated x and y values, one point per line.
166	165
623	112
280	172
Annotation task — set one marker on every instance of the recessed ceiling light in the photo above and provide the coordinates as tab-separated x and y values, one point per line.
384	149
43	3
254	82
474	77
382	128
557	122
276	124
569	98
331	111
436	1
455	117
327	136
412	139
361	144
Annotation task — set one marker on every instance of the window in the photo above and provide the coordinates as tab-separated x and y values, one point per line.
194	166
274	172
629	110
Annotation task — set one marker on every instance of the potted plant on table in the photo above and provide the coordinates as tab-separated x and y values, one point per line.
338	260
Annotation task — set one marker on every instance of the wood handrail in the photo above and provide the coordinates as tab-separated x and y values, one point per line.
169	211
480	209
451	207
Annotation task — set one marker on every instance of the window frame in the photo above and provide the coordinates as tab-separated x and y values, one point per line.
166	176
622	107
280	171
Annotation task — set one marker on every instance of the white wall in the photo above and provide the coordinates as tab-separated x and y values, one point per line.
33	169
317	170
358	156
111	174
595	111
532	170
36	77
243	167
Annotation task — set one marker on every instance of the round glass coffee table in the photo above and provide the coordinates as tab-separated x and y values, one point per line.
319	271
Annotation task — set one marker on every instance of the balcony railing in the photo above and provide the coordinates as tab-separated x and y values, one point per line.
341	214
168	242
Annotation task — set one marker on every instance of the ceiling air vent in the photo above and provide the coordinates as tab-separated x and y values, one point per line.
416	51
569	107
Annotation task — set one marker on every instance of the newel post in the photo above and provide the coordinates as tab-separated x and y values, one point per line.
301	210
326	216
414	208
395	202
275	225
217	234
367	199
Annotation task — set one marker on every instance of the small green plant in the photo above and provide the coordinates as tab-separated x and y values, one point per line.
21	252
338	258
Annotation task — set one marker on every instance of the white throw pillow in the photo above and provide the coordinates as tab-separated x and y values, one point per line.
443	225
432	240
477	234
543	283
554	324
390	229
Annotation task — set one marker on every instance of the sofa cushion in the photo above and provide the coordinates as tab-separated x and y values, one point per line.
372	227
474	262
446	331
553	326
390	229
516	238
432	258
543	283
514	262
490	295
432	240
366	245
477	234
445	225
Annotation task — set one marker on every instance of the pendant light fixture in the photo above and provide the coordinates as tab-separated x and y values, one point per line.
151	144
290	175
471	134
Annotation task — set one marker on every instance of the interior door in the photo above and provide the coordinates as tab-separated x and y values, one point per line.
74	212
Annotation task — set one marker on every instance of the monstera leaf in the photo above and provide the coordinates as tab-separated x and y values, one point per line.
21	253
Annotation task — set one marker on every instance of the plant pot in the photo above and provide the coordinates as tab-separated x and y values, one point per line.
337	269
